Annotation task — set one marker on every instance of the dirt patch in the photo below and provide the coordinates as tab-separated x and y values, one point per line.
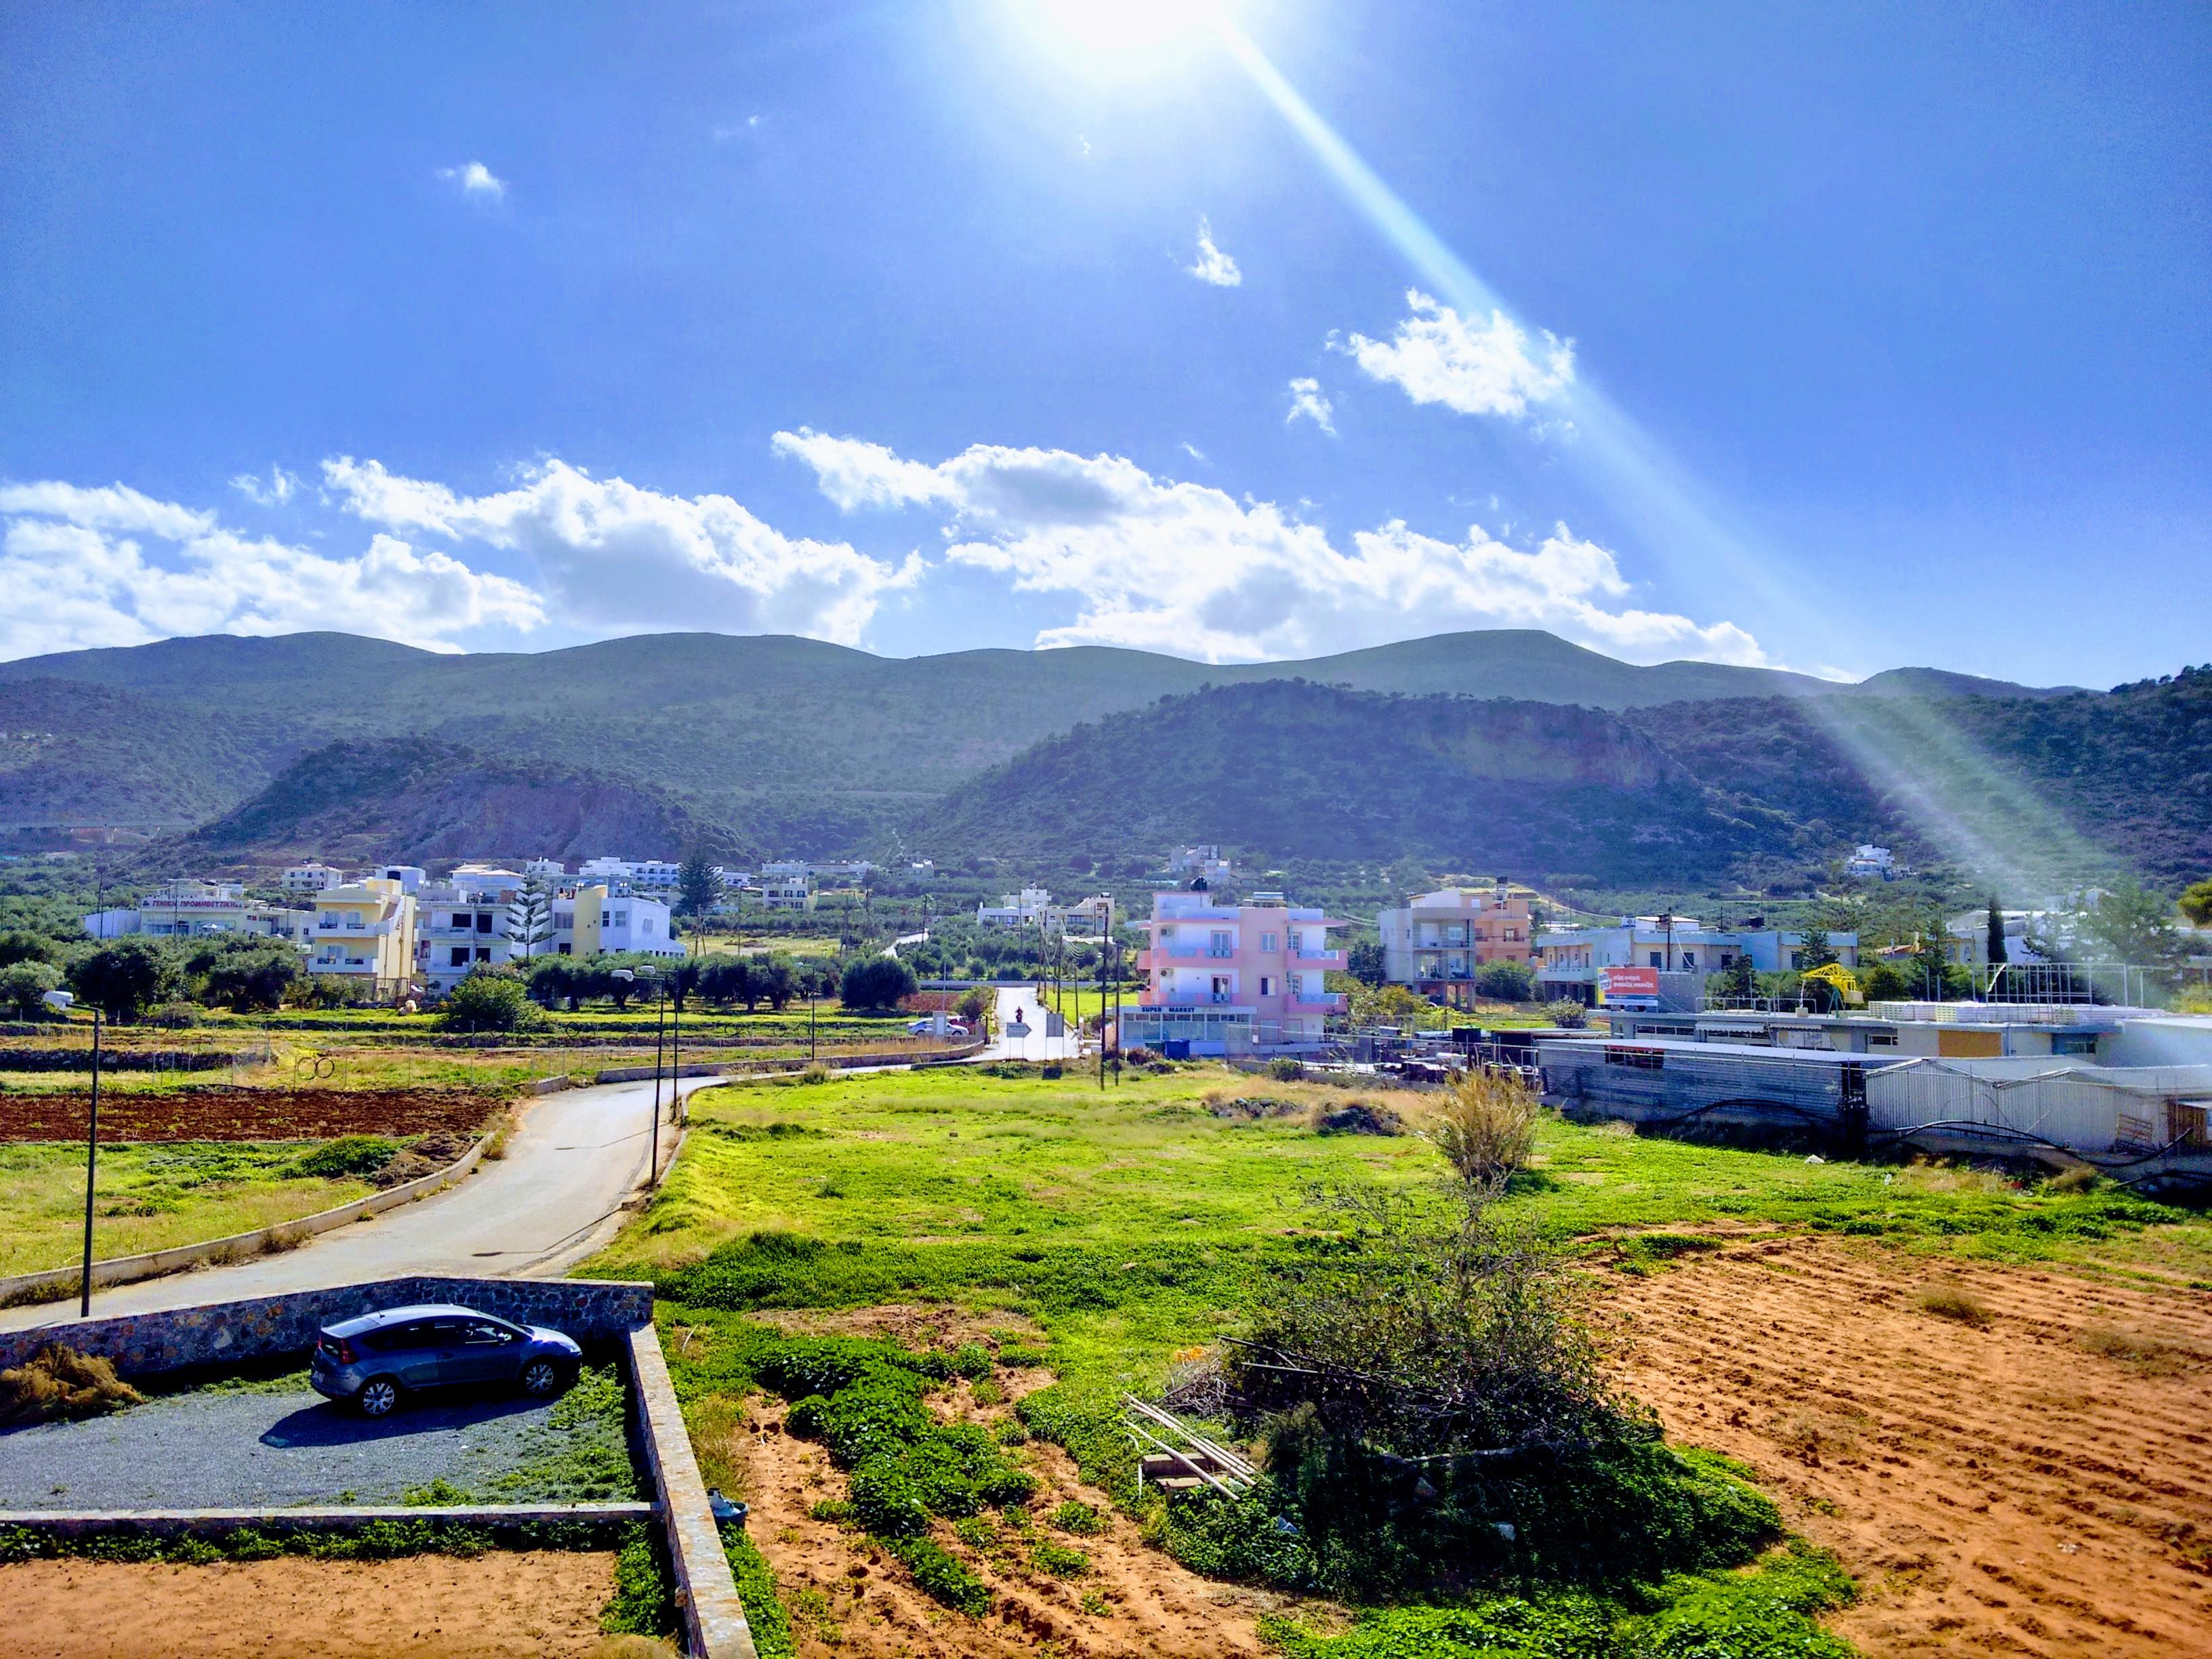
2037	1480
229	1114
849	1600
534	1602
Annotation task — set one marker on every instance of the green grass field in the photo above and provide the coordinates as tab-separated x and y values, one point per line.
151	1197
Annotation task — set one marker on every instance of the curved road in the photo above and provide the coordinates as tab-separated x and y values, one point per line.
572	1162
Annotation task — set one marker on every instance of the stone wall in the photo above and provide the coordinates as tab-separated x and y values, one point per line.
276	1326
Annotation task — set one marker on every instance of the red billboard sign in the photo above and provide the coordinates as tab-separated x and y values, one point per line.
1628	984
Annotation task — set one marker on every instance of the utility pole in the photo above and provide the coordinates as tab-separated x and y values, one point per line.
91	1169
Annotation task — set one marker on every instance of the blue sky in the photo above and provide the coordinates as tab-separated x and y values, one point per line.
1835	337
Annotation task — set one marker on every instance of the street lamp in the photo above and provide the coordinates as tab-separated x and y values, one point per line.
653	1158
61	1002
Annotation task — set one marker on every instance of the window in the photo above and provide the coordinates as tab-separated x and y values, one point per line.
482	1334
1689	961
561	949
483	921
484	953
1641	1059
1269	943
1882	1039
460	956
606	918
1654	959
1223	943
2073	1042
647	930
1266	985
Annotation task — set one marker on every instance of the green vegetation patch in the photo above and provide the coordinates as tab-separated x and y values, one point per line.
756	1590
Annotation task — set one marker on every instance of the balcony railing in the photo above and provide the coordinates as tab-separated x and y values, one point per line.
1326	959
1330	1003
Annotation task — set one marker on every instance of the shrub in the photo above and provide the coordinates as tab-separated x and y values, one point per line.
971	1359
1567	1014
1505	982
58	1382
348	1155
23	987
1485	1126
1285	1070
940	1576
1954	1302
490	999
644	1601
1078	1518
1061	1560
174	1017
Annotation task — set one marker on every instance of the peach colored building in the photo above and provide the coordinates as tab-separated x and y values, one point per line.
1228	978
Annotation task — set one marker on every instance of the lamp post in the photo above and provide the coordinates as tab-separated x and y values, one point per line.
652	1155
810	1022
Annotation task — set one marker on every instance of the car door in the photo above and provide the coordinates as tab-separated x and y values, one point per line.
411	1352
484	1351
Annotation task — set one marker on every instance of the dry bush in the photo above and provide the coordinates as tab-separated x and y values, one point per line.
2146	1354
58	1382
719	1436
501	1131
1945	1178
2080	1178
1485	1125
1808	1434
1954	1302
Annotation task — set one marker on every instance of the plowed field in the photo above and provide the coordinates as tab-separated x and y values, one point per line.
228	1113
2011	1460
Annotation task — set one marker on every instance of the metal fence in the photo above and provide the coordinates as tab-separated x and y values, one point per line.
2090	1109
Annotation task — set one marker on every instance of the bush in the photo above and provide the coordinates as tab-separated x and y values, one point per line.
347	1156
23	987
1061	1560
941	1576
1505	982
1485	1126
490	1000
971	1360
125	977
876	982
58	1382
1078	1518
1567	1014
1285	1070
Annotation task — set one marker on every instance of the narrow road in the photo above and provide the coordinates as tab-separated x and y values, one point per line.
556	1197
1023	1023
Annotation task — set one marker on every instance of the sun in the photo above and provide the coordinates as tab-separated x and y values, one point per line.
1128	28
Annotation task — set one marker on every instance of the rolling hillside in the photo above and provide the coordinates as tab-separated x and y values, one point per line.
790	742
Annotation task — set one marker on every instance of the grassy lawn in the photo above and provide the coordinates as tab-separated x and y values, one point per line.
1129	1220
151	1197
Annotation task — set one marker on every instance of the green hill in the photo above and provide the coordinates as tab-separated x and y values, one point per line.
788	742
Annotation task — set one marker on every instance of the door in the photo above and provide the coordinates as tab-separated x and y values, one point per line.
482	1351
413	1350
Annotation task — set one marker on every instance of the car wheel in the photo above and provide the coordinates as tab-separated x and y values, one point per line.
379	1397
544	1378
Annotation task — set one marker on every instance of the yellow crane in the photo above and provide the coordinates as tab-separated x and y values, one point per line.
1839	979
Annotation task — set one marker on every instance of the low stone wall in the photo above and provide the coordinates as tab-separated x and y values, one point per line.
278	1327
714	1624
55	1283
170	1523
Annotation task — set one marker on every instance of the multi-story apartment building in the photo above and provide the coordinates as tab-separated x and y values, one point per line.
365	929
463	922
598	919
1030	908
1233	977
312	878
1437	942
189	909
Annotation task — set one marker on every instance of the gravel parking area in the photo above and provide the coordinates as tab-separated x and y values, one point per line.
279	1445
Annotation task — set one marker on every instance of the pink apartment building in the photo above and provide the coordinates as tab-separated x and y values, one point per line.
1228	978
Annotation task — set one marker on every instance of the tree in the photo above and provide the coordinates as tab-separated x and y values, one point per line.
876	982
24	985
682	979
125	977
255	977
1485	1127
530	917
1816	951
490	999
775	982
1505	982
698	889
727	979
1996	934
1739	979
1364	962
2195	903
2133	926
21	945
553	979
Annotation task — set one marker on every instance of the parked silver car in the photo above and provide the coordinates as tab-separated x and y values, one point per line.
377	1360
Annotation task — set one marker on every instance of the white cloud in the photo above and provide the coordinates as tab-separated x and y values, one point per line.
1187	568
476	181
1213	265
1438	356
274	493
78	575
616	558
1195	452
1307	400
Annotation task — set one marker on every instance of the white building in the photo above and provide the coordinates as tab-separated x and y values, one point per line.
464	922
597	920
191	910
1870	861
1030	908
777	892
631	875
313	878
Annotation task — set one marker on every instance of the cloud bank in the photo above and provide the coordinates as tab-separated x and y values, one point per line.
1183	568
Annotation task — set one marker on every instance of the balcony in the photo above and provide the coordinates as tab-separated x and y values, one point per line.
1331	1003
1322	958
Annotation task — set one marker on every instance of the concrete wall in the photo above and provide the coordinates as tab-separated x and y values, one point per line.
274	1326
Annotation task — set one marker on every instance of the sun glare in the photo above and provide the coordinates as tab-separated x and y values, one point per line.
1128	29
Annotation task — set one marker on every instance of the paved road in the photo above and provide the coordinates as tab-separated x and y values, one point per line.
1021	1022
550	1202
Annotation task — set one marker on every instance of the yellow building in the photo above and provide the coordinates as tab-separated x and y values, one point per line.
365	929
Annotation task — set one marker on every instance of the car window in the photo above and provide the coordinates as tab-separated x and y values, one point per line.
483	1334
442	1332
